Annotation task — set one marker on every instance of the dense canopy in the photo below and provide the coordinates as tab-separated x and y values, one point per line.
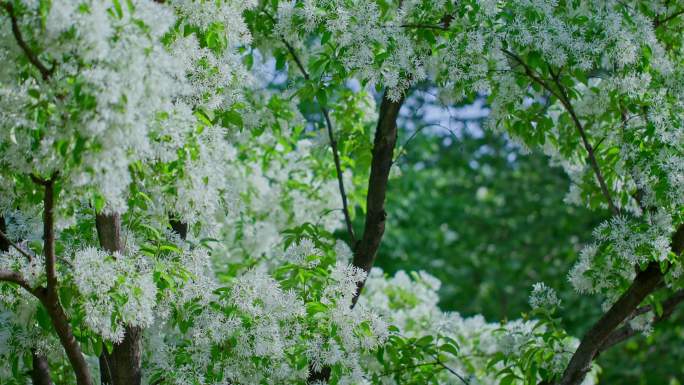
202	191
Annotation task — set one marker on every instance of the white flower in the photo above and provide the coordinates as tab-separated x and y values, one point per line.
543	297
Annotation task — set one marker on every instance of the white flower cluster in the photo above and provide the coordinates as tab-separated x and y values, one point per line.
264	330
117	290
621	243
261	177
32	270
121	89
543	297
303	253
410	304
360	29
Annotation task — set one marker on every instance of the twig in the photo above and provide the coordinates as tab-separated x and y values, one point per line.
450	370
14	245
340	181
32	57
425	26
588	147
658	22
565	101
331	137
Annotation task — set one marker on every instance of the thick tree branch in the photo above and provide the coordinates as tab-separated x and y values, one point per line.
30	55
40	373
109	232
14	277
123	365
644	284
595	339
383	151
625	332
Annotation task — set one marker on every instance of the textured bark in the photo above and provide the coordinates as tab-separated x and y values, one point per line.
122	365
109	232
644	284
602	333
626	331
180	228
383	152
4	243
40	373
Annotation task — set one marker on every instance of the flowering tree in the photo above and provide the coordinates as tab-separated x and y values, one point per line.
170	217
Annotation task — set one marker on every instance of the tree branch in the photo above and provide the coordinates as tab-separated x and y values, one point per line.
51	297
590	150
626	331
594	340
440	27
32	57
644	283
14	277
40	373
40	370
383	151
450	370
5	242
331	137
562	96
658	22
340	180
109	232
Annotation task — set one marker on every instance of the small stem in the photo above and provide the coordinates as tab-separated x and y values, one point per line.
565	101
590	150
30	55
340	181
331	136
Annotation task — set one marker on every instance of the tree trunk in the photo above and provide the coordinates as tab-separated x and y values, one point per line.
122	365
381	164
40	373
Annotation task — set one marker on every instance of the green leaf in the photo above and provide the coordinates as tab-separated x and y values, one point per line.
449	348
99	202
